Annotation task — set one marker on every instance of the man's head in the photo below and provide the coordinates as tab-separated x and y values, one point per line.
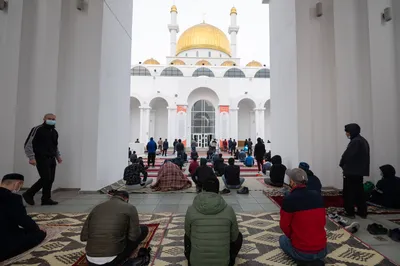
160	138
12	182
166	140
121	194
297	177
203	162
211	185
49	119
194	158
220	155
179	140
305	166
352	130
151	138
249	139
231	161
259	140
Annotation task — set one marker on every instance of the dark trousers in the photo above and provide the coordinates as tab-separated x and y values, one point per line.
260	163
129	249
46	167
20	243
151	159
164	152
234	250
353	194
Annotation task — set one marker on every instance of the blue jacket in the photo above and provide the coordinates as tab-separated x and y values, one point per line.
151	146
249	161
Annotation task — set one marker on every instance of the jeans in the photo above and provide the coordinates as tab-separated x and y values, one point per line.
151	159
147	182
20	242
46	167
353	194
233	186
234	248
129	248
286	246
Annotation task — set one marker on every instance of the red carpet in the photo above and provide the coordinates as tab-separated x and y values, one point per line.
329	201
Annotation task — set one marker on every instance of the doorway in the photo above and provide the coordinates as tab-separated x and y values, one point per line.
203	123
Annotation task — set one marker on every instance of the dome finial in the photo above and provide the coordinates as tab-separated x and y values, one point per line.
233	11
174	9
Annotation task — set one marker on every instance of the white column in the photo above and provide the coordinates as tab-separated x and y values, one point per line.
260	120
144	124
233	121
173	30
233	31
171	125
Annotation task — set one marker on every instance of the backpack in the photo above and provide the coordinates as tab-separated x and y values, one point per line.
142	259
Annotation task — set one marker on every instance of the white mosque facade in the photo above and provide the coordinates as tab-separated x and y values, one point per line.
202	92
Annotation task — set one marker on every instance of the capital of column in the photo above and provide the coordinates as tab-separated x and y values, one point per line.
174	27
259	109
145	107
234	109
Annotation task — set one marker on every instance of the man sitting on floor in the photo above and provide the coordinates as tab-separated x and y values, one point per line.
171	178
231	177
249	162
132	175
112	231
313	182
18	231
193	166
303	222
212	234
202	173
277	172
219	165
387	190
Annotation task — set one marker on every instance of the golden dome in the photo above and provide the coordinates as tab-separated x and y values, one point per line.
203	63
151	61
178	62
233	10
254	64
174	9
203	36
228	63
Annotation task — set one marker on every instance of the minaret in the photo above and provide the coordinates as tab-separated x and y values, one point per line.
233	31
173	29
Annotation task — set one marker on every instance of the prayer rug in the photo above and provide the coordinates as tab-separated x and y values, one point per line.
145	244
371	210
329	201
396	221
261	233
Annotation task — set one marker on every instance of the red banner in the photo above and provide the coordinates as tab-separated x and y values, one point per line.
181	108
224	108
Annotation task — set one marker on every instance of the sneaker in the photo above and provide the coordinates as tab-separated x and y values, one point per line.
353	227
225	191
341	221
347	215
243	191
49	202
28	199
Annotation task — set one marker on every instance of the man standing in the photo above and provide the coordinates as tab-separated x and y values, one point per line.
234	144
174	144
160	144
165	147
18	231
180	148
355	164
259	152
41	147
250	145
230	146
151	152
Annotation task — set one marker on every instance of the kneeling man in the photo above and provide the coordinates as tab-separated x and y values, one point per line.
18	231
112	231
303	222
212	235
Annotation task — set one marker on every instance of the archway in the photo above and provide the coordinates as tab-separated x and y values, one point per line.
158	126
134	119
267	124
246	120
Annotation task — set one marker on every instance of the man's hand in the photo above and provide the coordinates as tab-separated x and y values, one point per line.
59	160
32	162
42	228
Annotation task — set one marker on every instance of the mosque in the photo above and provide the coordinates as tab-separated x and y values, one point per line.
203	91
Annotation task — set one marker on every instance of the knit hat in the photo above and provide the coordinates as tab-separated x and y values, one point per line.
13	176
297	175
305	166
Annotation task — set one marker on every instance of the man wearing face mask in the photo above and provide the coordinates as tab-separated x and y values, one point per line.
18	231
41	147
355	164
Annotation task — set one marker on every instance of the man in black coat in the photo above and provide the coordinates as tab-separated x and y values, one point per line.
18	231
355	164
259	152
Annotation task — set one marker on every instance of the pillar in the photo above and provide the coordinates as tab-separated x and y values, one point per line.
182	126
260	120
171	125
233	121
144	124
233	31
173	30
224	118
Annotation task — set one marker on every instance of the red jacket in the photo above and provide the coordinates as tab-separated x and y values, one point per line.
303	219
193	166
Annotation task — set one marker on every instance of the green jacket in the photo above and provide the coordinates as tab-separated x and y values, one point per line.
211	225
108	227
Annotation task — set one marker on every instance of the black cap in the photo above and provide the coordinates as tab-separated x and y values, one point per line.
121	193
13	176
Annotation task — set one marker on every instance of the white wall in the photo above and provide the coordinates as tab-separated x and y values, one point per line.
267	122
135	120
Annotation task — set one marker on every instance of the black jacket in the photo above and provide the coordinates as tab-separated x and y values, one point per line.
179	147
259	151
203	172
356	159
278	170
13	217
232	175
42	141
387	191
165	145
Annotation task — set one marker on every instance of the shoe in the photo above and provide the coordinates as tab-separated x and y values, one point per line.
225	191
376	229
342	222
28	199
394	234
49	202
347	215
362	216
198	189
243	191
353	227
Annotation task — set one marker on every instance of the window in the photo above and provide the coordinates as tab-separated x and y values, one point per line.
263	73
234	73
209	54
203	71
171	72
140	71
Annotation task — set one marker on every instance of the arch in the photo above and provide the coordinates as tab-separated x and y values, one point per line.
140	71
203	71
228	63
134	119
234	73
203	93
178	62
254	64
158	124
151	61
262	73
202	125
137	97
203	63
246	97
172	72
246	119
247	100
166	98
